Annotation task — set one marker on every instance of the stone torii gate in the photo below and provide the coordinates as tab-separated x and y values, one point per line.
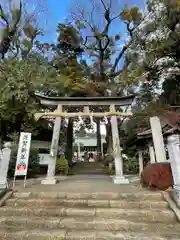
86	103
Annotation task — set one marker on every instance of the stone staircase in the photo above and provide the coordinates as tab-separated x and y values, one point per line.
86	168
88	216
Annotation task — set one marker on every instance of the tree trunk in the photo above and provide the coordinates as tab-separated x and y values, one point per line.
69	141
98	125
3	132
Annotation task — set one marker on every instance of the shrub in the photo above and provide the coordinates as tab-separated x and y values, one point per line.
131	165
62	165
108	159
33	165
111	172
157	175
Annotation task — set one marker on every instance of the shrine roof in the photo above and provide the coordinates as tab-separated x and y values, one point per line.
120	101
170	123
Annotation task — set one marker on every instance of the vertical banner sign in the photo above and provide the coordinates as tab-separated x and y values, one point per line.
23	154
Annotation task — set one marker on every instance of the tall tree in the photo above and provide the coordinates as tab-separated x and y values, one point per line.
19	81
97	21
10	29
155	51
79	81
18	26
154	57
105	47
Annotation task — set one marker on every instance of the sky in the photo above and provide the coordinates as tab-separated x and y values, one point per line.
58	12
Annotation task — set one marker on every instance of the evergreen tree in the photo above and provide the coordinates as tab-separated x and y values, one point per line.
154	53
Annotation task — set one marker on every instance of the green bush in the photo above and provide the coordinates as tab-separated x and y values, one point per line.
33	165
111	172
62	165
131	165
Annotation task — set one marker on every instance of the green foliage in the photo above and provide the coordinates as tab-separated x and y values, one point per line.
62	165
131	165
141	114
111	172
30	31
131	152
132	15
9	30
15	25
171	90
69	39
27	44
19	80
33	165
98	41
155	52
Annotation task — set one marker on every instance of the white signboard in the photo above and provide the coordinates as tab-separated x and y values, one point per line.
23	154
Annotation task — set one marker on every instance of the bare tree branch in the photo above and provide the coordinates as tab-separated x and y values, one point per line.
122	52
104	5
118	59
107	43
3	16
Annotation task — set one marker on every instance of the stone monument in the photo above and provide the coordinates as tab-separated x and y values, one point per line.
4	164
174	157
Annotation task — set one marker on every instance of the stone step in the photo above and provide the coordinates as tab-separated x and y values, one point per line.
140	196
147	215
90	172
80	235
15	202
89	167
91	164
9	224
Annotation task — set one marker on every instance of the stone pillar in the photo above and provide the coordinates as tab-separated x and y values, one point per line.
119	177
50	179
158	139
151	154
79	150
86	109
102	150
4	164
141	165
174	158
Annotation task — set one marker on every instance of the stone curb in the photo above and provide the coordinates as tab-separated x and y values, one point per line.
5	197
146	215
93	195
87	203
172	204
3	192
86	235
